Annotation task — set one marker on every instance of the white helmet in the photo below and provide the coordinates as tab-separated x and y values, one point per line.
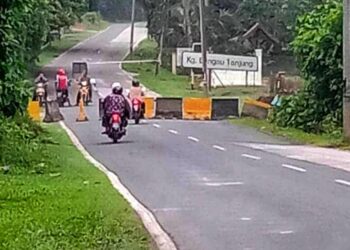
116	86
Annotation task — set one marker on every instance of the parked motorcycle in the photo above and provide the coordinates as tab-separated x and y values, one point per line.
115	130
40	93
137	111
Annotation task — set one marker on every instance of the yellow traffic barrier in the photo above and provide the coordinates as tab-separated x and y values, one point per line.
149	107
257	103
197	108
34	110
82	114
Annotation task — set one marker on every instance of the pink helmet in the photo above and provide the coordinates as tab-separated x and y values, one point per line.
61	71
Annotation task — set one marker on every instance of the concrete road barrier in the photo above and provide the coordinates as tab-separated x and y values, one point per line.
255	109
149	107
197	108
223	108
34	110
169	107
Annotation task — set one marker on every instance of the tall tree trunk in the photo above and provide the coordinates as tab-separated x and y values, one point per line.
186	4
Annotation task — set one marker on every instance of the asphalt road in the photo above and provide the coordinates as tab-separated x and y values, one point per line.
205	187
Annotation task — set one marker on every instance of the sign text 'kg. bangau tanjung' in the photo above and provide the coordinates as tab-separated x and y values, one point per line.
224	62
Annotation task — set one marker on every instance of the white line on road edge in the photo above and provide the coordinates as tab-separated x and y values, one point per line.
294	168
156	125
162	239
342	182
219	148
173	132
193	139
251	157
219	184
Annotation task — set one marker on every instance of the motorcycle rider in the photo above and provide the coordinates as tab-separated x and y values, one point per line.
62	83
87	79
116	103
136	92
39	79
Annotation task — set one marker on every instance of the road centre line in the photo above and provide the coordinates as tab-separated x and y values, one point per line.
219	148
342	182
245	219
173	131
193	139
286	232
220	184
156	125
294	168
253	157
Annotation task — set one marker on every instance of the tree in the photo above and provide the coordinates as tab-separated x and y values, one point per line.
318	48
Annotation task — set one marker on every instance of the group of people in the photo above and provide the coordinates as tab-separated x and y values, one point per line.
115	102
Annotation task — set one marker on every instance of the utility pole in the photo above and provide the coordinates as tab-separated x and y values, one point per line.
203	45
346	69
132	27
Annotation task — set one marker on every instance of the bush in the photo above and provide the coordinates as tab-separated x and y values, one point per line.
318	48
23	146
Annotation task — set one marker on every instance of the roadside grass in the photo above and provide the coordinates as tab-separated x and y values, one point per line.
292	134
168	84
68	206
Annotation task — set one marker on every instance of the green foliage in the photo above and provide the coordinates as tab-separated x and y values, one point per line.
22	146
71	206
25	27
318	48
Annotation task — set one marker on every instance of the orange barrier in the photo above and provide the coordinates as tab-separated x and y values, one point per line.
149	107
34	110
257	103
197	108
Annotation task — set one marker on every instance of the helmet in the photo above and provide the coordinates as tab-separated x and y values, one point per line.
117	88
61	71
135	83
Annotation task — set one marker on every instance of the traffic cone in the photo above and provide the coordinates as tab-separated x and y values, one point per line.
82	115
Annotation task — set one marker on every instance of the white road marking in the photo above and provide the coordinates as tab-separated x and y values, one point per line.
286	232
246	219
168	209
219	148
193	139
173	131
205	179
342	182
156	125
294	168
253	157
220	184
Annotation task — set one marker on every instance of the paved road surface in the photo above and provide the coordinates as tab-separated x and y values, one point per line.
206	186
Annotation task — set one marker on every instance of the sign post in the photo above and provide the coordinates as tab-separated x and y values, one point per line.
220	62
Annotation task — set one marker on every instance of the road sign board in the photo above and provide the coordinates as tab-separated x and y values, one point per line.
179	52
217	61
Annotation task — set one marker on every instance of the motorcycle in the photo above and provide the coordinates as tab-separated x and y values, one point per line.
137	110
115	130
62	98
84	92
40	93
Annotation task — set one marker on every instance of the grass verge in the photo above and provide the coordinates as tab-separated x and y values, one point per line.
168	84
69	206
294	135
